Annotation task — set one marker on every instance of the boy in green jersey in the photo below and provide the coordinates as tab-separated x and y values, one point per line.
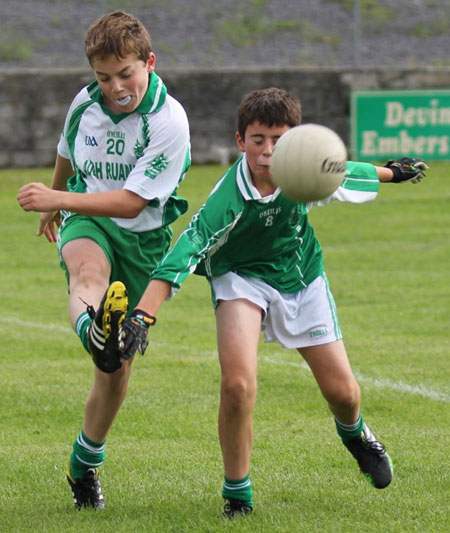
264	263
113	197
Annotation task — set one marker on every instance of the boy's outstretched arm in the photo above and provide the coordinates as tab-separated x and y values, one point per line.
119	203
157	291
401	170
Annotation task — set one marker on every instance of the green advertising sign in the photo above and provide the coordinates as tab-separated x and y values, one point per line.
392	124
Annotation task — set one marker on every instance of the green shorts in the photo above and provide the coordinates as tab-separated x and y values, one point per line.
132	256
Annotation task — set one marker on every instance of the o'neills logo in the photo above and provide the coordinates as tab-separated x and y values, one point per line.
332	167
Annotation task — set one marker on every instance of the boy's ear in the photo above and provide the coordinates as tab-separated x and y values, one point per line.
151	62
240	142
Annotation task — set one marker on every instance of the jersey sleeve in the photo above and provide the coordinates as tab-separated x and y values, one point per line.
63	147
165	159
206	232
77	103
360	185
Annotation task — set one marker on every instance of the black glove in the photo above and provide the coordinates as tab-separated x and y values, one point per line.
133	333
407	169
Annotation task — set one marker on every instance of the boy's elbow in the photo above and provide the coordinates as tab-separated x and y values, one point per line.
133	212
133	205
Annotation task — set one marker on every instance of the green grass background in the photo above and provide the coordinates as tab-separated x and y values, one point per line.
388	264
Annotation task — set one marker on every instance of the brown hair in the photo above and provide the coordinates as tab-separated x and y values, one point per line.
119	34
271	107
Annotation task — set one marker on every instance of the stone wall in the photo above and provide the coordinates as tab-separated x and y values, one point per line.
33	103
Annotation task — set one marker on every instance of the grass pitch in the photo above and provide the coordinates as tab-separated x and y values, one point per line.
388	265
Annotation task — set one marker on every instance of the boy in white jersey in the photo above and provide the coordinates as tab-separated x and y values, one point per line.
265	267
123	151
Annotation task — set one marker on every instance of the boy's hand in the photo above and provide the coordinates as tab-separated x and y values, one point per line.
407	169
133	333
38	197
49	224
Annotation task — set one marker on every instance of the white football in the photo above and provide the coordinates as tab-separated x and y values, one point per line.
308	162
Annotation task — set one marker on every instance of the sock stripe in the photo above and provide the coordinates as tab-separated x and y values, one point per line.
88	463
349	427
82	327
237	486
92	449
81	321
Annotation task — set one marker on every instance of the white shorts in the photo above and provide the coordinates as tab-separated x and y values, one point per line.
305	318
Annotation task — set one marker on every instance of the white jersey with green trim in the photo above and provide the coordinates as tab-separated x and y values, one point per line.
268	238
146	151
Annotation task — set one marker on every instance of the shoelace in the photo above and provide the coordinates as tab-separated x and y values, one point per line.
374	446
89	308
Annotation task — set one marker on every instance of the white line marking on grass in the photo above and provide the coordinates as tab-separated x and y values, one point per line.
416	390
419	390
37	325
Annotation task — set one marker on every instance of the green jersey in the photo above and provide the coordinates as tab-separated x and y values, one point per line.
269	237
146	151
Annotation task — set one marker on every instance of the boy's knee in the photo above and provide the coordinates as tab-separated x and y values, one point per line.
345	395
90	272
238	391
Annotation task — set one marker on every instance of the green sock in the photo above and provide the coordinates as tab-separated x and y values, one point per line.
85	454
238	489
81	326
349	431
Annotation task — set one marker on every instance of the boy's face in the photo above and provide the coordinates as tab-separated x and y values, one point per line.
258	144
123	82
